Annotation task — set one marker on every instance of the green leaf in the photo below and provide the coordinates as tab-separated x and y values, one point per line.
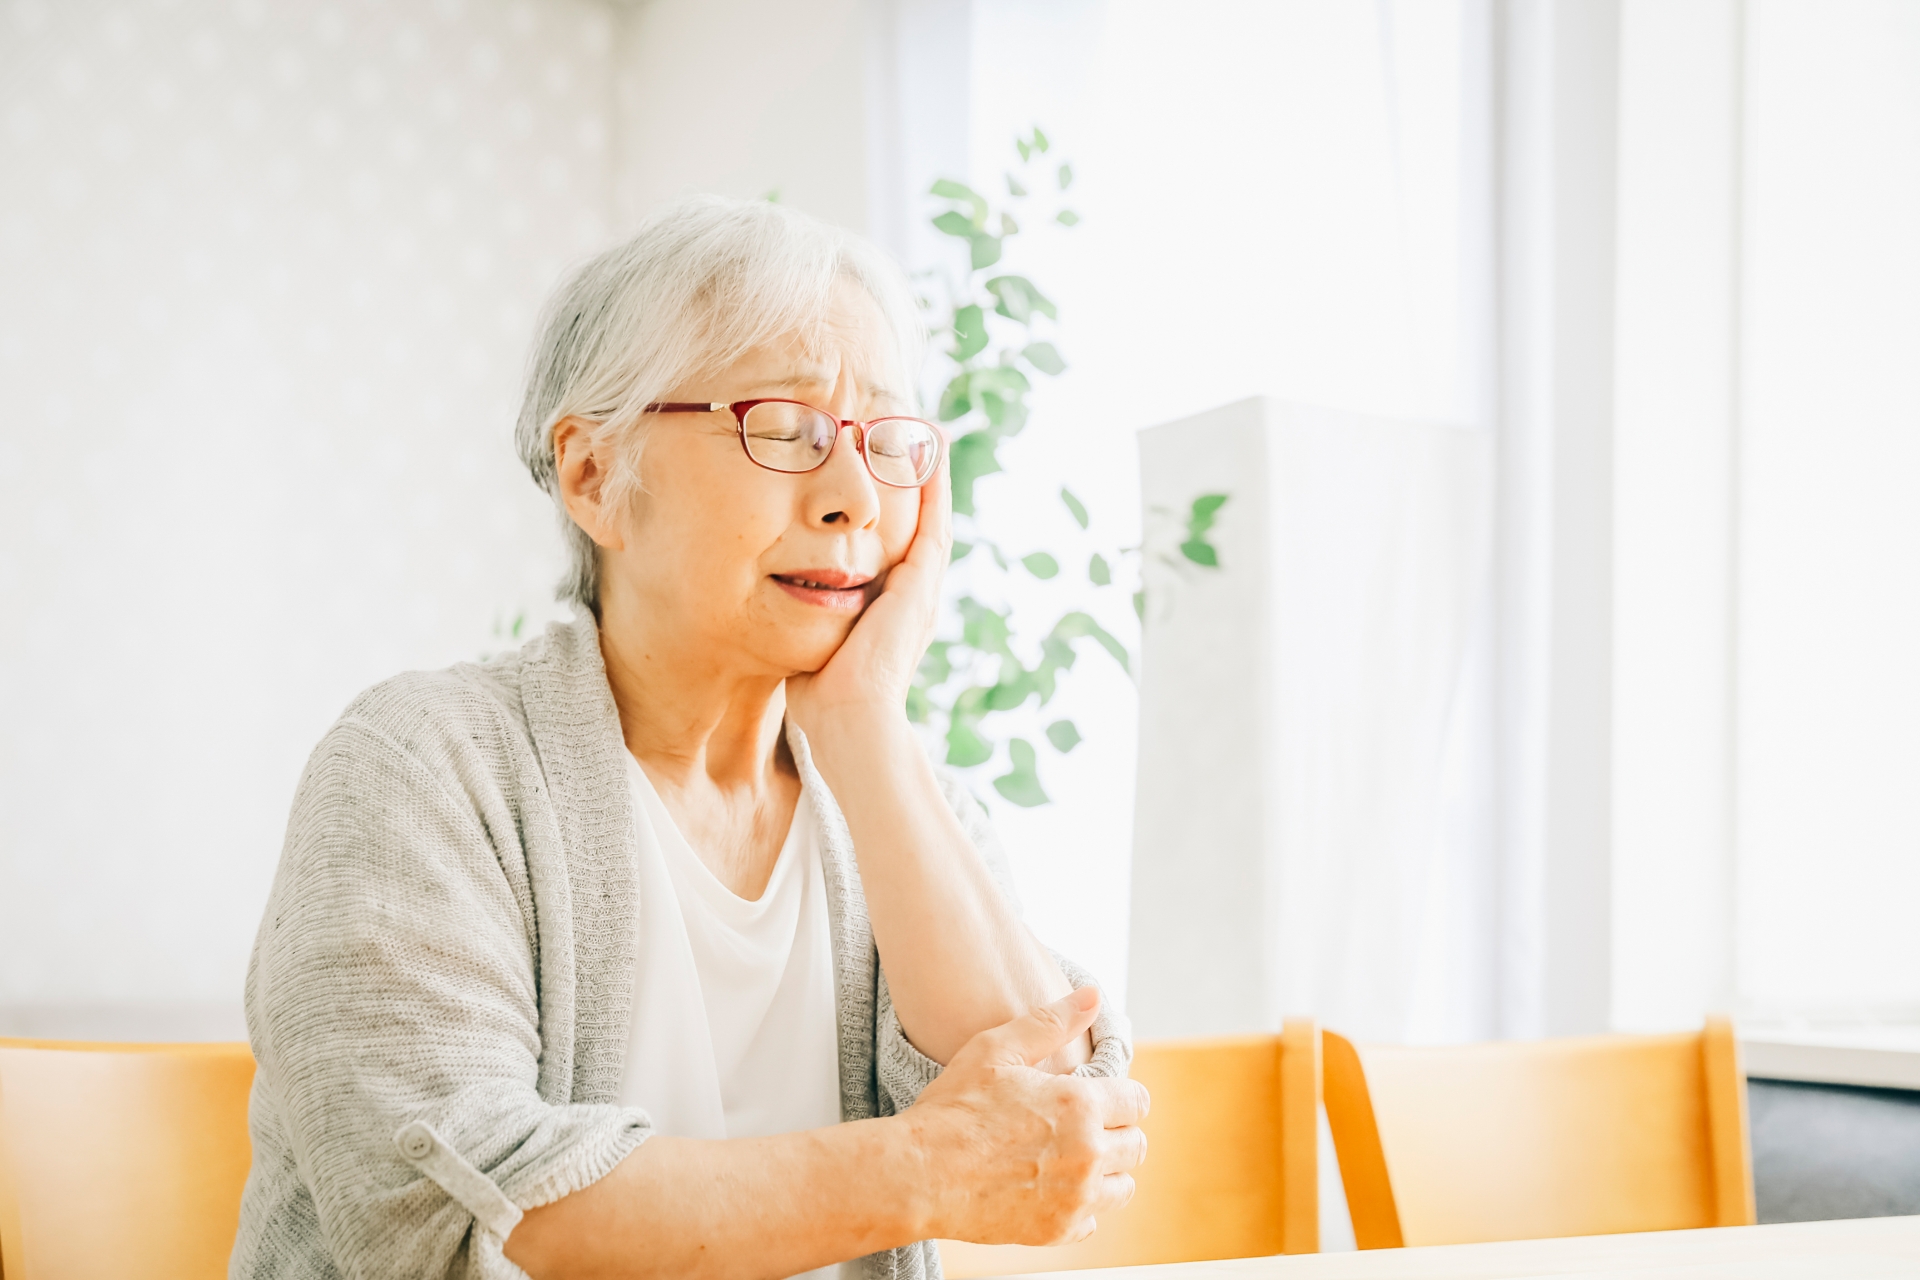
1006	412
1021	785
772	196
919	706
1026	151
1039	139
1066	176
936	665
969	332
986	250
965	747
970	458
1074	625
1008	227
954	223
1041	565
1044	357
1014	188
956	401
1017	299
948	189
960	550
1012	688
983	628
999	556
1205	509
1098	571
1002	378
1200	551
1067	218
1074	505
1140	604
1063	736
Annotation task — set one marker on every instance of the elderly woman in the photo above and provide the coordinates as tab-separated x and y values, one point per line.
659	947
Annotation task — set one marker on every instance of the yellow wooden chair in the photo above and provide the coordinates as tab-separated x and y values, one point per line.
1231	1169
1531	1139
121	1160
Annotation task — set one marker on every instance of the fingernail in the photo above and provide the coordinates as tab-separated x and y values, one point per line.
1082	998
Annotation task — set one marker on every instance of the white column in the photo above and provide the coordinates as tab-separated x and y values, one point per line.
1304	713
1556	115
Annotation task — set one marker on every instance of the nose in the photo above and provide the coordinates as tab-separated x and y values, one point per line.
843	493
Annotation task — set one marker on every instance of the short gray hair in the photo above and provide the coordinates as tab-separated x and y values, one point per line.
703	282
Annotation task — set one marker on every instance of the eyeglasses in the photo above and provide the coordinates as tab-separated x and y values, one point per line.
789	436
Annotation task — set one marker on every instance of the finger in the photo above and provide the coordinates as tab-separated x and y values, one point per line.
932	540
1035	1034
1122	1102
1116	1192
1122	1150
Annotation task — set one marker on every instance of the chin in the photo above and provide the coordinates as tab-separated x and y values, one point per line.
805	654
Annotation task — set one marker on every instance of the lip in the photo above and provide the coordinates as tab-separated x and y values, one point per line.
834	589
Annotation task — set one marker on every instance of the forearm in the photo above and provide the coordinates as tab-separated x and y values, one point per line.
744	1207
958	958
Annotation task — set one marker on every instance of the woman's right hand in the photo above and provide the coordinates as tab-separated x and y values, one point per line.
1020	1155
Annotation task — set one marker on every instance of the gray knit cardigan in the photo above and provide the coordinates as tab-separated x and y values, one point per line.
440	992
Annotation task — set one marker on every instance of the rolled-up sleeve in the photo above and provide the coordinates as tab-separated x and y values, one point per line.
394	1010
902	1069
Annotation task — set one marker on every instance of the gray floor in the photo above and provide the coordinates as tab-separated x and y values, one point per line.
1833	1151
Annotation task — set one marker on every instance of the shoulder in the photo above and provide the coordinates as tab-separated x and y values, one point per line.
460	731
426	713
475	705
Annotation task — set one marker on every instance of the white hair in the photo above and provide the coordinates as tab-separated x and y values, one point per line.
703	282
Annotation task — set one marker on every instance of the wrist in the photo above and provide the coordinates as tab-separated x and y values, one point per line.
917	1145
851	737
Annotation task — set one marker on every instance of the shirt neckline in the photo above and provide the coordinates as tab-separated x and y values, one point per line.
678	850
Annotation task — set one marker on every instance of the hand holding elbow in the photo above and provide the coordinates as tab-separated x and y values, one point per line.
1023	1156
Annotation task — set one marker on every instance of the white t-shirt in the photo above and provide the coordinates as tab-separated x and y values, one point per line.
735	1033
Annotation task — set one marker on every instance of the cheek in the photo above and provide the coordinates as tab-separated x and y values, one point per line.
899	519
704	526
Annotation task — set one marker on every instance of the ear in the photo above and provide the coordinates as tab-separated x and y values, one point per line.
582	473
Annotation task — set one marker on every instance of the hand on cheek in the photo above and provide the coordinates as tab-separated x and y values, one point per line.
871	671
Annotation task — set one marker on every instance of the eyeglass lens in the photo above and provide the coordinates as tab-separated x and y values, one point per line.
793	437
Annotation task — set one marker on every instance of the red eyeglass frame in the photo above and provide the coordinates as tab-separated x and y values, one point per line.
739	410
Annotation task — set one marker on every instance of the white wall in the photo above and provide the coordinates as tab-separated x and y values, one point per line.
267	274
1676	328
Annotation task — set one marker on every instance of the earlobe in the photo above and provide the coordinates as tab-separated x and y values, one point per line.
581	474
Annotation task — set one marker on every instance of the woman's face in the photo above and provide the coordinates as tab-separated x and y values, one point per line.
766	571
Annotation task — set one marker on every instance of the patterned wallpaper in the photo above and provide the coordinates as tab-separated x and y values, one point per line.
267	273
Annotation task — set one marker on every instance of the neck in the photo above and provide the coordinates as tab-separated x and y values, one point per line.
682	713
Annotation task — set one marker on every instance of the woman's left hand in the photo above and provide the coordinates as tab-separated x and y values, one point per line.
873	668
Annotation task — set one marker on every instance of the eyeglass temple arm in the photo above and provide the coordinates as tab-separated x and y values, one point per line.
680	406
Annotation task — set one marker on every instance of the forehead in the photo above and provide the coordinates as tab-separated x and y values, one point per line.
852	335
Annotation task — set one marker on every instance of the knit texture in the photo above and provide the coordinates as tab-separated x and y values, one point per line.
440	993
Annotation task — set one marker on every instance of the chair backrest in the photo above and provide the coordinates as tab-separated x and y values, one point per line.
1531	1139
121	1160
1232	1162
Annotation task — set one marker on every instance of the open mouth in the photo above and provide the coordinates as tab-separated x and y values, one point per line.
826	588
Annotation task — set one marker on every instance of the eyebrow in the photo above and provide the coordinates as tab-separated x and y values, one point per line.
816	378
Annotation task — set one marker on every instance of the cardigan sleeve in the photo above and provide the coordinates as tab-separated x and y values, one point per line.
902	1069
393	1007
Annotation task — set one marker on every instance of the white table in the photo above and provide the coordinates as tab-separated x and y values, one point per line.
1861	1249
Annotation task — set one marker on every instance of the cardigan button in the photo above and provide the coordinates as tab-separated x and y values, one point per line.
416	1143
